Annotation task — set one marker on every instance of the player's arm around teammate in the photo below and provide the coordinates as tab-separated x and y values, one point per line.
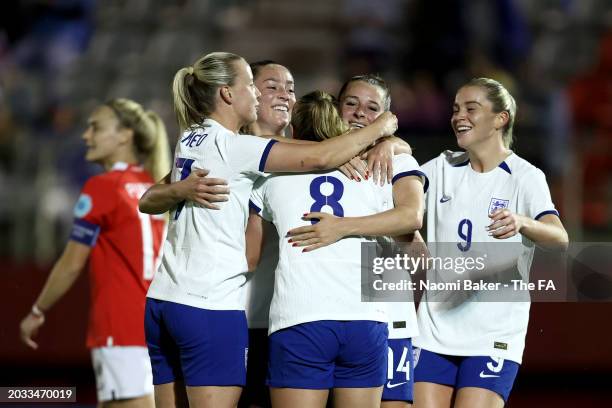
163	196
405	218
362	99
283	156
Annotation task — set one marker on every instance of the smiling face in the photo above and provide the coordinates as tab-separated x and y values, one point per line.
473	119
245	95
361	103
103	135
276	85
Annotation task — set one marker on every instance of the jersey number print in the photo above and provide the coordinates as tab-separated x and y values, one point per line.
185	165
332	200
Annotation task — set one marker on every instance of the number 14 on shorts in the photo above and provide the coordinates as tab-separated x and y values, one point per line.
403	366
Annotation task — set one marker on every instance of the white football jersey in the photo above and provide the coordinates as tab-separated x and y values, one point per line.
402	320
204	261
458	203
324	284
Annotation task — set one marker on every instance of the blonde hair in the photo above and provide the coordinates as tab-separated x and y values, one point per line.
502	101
315	117
194	88
150	137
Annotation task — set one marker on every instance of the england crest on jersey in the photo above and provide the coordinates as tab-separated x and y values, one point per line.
497	204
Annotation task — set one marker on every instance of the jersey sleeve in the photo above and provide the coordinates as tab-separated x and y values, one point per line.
537	199
429	169
91	211
405	165
257	201
252	152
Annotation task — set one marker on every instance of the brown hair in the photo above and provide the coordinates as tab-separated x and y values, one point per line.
315	117
374	80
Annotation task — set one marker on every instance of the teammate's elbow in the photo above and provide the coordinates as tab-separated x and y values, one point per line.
146	207
416	222
142	206
412	221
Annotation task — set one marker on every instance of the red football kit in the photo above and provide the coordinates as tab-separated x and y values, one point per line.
124	256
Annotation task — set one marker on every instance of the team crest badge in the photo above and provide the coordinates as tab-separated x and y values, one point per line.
497	204
83	206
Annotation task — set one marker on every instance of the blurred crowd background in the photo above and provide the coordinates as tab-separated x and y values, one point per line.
59	58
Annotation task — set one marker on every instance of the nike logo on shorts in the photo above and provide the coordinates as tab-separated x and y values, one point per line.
389	385
483	375
445	198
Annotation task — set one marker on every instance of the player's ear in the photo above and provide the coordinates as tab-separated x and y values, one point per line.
501	119
226	94
126	135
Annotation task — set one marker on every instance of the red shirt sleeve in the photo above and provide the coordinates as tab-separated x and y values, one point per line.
92	210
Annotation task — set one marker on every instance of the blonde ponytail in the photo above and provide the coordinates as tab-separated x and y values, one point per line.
150	138
194	88
157	161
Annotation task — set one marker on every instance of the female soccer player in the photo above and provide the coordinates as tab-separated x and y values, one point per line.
485	194
276	85
361	100
321	335
195	322
122	246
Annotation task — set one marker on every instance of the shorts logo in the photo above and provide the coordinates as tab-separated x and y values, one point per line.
483	375
497	204
389	385
83	206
